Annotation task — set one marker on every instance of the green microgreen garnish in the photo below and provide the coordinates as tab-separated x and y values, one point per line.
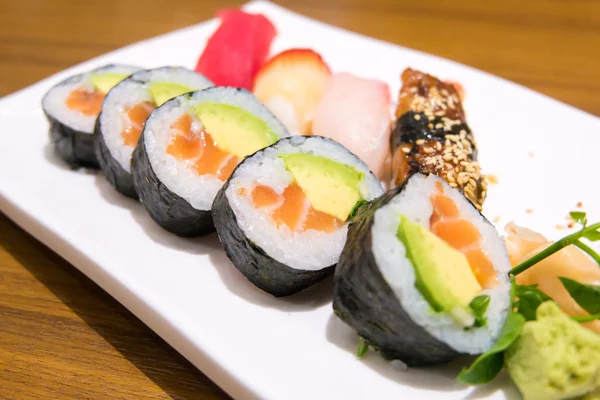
489	364
587	296
590	232
362	348
588	318
479	305
529	299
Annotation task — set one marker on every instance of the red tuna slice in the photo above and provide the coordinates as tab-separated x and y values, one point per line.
237	49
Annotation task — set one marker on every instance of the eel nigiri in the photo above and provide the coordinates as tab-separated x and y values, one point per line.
431	136
569	262
355	112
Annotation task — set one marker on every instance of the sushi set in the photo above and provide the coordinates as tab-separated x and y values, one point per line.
302	223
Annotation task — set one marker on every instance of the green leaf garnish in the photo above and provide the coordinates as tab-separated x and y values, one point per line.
592	235
362	348
587	319
354	210
530	297
589	232
587	296
479	305
488	365
579	216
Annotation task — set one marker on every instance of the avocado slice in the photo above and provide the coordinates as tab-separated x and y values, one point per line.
105	82
164	91
443	274
235	130
331	187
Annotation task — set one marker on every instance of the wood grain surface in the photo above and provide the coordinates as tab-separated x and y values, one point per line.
63	337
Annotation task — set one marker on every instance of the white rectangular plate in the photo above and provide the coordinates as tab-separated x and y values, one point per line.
249	343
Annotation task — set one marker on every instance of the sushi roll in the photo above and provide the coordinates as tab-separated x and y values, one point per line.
423	276
431	135
188	149
124	113
283	215
72	107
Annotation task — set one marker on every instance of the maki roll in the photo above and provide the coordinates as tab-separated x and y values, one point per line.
72	107
124	113
423	276
283	215
432	136
190	146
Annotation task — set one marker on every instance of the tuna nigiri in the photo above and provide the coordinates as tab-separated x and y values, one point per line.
237	49
356	112
569	262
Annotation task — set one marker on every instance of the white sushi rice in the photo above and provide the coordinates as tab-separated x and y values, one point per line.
176	175
398	272
310	250
54	101
133	91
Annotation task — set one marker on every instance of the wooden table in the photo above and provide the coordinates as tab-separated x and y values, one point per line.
61	336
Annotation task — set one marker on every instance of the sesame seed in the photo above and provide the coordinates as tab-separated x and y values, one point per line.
418	117
492	179
406	150
438	146
430	126
420	142
439	125
427	150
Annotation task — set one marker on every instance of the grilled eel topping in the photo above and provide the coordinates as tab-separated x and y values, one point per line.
431	136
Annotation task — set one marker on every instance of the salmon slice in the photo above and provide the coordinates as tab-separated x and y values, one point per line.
264	196
447	224
319	221
569	262
293	209
184	145
134	120
227	168
208	159
87	103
